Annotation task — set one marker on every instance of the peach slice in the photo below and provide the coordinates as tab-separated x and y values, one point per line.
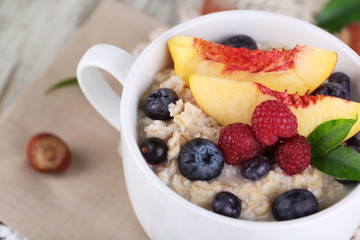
300	69
229	101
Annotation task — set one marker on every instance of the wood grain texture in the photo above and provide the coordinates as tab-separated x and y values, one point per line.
34	31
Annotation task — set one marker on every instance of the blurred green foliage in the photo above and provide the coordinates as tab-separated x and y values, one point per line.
62	83
336	14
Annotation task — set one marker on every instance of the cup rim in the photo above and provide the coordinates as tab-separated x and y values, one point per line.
131	140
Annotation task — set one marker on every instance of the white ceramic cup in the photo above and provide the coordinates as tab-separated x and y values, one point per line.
163	213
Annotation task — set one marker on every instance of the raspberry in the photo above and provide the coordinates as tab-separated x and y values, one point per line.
293	155
238	144
271	120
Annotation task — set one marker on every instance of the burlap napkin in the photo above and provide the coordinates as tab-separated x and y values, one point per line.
89	200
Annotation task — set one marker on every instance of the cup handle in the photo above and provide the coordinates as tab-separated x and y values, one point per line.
97	91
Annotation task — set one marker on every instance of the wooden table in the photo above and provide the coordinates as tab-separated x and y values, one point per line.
34	31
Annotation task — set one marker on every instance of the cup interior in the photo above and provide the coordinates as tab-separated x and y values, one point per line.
262	26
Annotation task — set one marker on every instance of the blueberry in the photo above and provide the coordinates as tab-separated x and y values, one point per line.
353	147
200	159
269	154
333	89
354	140
255	169
241	40
294	204
154	150
341	78
347	182
156	103
227	204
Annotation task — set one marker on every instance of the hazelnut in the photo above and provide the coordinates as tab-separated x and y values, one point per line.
48	153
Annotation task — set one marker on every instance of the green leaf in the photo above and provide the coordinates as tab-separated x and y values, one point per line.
62	83
329	135
338	13
342	163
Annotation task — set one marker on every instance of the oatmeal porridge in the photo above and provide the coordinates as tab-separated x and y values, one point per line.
190	122
243	157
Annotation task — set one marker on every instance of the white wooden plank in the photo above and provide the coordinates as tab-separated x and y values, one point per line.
33	32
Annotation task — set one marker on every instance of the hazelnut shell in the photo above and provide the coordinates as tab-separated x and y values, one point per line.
48	153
